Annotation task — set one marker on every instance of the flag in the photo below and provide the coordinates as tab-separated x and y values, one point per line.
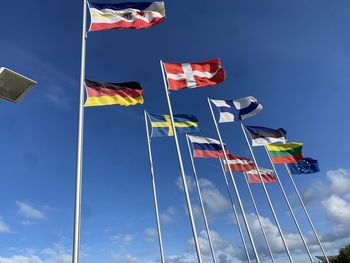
239	164
125	15
262	135
304	166
240	109
105	93
194	75
285	153
204	147
266	174
161	124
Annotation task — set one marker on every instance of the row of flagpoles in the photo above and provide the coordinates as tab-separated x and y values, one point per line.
188	76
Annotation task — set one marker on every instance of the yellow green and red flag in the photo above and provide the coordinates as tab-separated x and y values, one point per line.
286	153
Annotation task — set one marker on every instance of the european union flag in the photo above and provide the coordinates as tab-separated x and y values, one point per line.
161	124
304	166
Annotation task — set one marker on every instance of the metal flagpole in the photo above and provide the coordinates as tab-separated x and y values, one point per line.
235	186
235	212
183	176
259	219
201	201
267	196
290	207
154	191
78	184
306	213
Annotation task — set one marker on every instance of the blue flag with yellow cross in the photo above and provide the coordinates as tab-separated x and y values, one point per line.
161	124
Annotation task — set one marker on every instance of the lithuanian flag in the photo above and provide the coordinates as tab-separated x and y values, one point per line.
286	153
106	93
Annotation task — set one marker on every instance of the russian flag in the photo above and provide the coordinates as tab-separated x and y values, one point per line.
125	15
204	147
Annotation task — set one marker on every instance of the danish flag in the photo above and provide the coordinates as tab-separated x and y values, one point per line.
194	75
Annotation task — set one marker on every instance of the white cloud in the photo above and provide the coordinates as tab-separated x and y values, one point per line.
339	184
150	234
54	254
337	208
123	239
4	228
21	259
29	211
215	202
168	216
125	258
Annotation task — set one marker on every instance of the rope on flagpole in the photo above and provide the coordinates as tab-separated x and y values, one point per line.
183	176
259	219
235	186
235	212
290	207
267	196
79	164
201	201
155	200
307	213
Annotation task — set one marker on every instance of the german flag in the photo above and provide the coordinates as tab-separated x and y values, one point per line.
106	93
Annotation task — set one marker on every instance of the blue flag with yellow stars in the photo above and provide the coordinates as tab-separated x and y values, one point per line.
304	166
161	124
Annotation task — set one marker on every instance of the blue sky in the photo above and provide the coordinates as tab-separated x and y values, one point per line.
293	56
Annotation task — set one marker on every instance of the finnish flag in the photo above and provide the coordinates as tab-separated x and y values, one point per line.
239	109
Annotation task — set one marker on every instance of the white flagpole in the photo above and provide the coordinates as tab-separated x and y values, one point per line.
183	176
154	191
235	186
78	184
201	201
235	212
267	196
306	213
259	219
290	207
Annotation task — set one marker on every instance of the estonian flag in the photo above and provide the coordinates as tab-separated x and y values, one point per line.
263	136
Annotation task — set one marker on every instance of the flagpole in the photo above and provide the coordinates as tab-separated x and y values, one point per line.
201	202
267	196
306	213
79	164
183	176
160	240
259	219
235	212
290	207
235	186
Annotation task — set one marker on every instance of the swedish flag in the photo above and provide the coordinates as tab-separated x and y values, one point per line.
161	124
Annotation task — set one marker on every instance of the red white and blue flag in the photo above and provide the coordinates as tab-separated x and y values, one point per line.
126	15
194	75
266	174
204	147
239	164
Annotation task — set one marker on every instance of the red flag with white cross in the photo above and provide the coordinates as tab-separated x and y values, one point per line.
194	75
